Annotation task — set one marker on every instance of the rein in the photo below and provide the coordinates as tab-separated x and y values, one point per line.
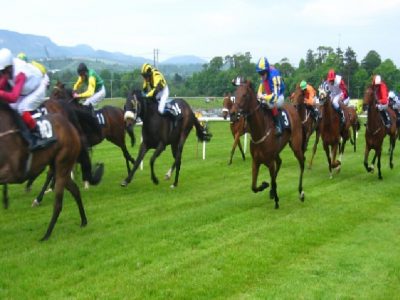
8	132
267	132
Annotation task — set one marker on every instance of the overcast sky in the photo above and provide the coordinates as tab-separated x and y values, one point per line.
209	28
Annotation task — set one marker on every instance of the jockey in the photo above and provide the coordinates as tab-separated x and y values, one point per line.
338	93
24	87
381	94
270	91
95	91
155	85
310	96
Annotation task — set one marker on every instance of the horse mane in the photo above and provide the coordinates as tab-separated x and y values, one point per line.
4	106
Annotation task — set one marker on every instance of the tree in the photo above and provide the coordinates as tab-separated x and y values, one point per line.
390	74
310	61
350	67
371	61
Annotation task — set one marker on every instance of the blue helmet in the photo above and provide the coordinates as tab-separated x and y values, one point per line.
262	65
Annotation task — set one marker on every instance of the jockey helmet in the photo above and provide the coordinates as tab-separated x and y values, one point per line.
82	68
303	84
6	58
392	95
147	69
331	75
22	56
262	65
377	80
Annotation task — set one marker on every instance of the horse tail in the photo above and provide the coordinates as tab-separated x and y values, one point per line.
202	132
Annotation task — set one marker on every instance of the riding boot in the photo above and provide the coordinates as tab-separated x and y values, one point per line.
385	118
341	116
278	127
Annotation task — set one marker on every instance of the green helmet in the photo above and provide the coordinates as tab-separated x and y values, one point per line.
303	84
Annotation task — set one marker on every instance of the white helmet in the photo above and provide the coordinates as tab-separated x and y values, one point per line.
377	79
6	58
392	95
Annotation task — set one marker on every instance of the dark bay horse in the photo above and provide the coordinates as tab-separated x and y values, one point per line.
159	131
17	164
376	131
237	125
265	147
112	128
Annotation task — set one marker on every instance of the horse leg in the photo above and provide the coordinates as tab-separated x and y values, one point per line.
160	148
241	149
328	156
273	193
39	198
127	156
58	203
392	146
142	152
378	154
299	154
72	187
278	164
236	140
5	196
178	158
171	170
314	148
366	154
255	169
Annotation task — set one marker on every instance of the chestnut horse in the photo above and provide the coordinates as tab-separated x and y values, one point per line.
237	125
376	131
308	122
17	164
265	147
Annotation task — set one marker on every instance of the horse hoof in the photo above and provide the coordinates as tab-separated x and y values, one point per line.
35	203
172	186
124	183
276	205
167	177
301	196
48	190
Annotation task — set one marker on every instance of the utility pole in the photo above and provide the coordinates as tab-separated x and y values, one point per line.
155	57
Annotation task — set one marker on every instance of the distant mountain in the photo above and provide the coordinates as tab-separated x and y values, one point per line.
41	47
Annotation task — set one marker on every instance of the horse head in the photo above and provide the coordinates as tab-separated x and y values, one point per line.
297	97
323	93
245	98
227	105
60	92
369	98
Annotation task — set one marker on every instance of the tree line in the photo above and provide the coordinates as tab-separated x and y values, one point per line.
215	77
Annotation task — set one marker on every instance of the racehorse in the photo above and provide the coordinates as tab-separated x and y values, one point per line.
308	122
376	131
331	133
265	147
159	131
17	164
237	125
111	121
353	123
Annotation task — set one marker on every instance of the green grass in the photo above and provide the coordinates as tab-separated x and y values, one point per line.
211	237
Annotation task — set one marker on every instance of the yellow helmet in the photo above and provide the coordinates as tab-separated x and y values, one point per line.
22	56
147	69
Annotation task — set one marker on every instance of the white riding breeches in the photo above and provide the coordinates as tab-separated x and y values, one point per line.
162	97
277	104
335	101
382	107
33	100
96	98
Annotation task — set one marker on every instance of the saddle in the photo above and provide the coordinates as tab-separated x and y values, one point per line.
284	119
172	107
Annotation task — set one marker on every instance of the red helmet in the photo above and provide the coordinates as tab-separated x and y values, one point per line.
331	75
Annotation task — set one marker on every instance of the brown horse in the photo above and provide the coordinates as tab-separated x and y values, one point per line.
159	131
237	125
17	164
352	123
308	122
112	127
265	147
331	133
376	131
